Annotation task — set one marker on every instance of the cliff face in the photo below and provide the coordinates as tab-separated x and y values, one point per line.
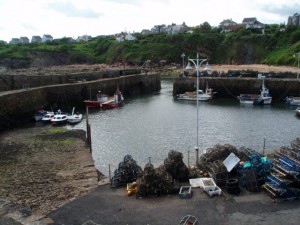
38	59
45	59
14	63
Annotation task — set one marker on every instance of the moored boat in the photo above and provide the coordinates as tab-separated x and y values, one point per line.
47	117
263	99
293	101
105	101
38	115
74	118
59	119
192	96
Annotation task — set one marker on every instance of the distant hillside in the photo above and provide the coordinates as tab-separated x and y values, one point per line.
274	47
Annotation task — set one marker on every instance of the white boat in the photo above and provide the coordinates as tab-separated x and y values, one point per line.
74	118
47	118
59	119
192	96
263	99
293	101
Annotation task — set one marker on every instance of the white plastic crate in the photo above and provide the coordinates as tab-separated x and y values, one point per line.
185	192
196	182
207	184
213	191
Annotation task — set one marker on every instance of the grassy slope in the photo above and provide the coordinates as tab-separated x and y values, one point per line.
275	47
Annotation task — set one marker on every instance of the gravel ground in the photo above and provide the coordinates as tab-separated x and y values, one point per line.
43	168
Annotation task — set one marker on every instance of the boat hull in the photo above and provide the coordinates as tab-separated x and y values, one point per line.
103	105
206	98
256	101
75	119
59	119
92	104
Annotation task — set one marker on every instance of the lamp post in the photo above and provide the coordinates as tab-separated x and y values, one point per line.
182	56
197	62
298	55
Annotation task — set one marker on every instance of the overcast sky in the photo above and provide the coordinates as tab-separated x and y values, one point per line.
73	18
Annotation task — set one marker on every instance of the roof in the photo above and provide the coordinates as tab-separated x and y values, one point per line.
48	36
249	20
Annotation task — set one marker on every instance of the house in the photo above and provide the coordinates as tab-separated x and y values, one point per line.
294	20
24	40
124	36
145	31
84	38
252	23
129	37
158	29
230	28
36	39
226	23
14	41
47	38
170	29
120	37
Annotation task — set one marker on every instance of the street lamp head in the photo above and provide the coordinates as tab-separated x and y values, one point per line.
182	55
189	67
207	67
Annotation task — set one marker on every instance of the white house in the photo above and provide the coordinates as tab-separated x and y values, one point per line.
36	39
253	23
124	36
24	40
84	38
47	38
14	41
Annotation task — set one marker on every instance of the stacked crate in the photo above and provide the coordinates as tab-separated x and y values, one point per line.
283	183
253	173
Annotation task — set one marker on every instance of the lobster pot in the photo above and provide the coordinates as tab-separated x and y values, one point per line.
127	172
175	166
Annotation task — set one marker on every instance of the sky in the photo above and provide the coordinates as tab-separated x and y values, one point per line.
73	18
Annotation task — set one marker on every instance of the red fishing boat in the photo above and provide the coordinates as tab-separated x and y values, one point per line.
105	101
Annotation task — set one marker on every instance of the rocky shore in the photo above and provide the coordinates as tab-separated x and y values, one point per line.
42	168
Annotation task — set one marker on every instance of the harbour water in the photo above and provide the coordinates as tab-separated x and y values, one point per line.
149	126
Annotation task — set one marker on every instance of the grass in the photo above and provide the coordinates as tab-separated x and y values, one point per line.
56	130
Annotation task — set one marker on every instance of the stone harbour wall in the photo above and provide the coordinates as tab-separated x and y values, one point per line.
18	106
233	87
20	81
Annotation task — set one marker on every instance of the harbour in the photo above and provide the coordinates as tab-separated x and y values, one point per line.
149	126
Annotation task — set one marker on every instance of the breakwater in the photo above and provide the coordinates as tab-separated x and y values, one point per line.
232	87
18	106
